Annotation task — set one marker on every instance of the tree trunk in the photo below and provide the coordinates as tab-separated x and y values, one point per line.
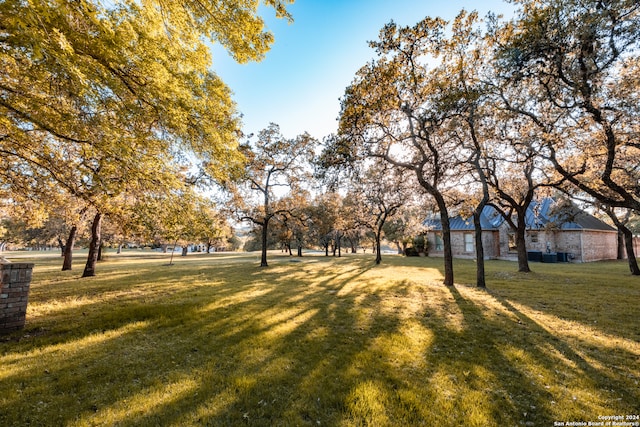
185	250
68	249
628	243
100	251
521	244
446	239
400	252
631	257
480	274
265	231
621	245
61	245
378	251
300	250
94	245
448	253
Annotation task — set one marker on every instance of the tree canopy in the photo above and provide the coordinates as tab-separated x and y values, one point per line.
546	99
274	169
111	98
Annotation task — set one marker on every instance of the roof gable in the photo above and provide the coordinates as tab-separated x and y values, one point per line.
562	214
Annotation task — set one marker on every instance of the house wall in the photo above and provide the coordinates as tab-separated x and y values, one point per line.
490	244
431	238
556	241
584	246
503	243
458	245
599	245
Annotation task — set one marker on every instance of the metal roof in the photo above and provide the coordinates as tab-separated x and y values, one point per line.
490	219
563	215
545	213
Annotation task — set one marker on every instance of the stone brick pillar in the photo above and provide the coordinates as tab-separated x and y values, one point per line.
15	279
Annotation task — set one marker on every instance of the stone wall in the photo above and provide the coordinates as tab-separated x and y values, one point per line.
15	280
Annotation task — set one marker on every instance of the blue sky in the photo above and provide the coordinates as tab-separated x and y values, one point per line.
299	83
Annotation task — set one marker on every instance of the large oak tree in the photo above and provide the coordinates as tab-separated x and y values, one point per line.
401	108
105	97
275	167
572	69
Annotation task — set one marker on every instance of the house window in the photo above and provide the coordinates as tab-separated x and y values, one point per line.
512	242
534	237
439	243
468	242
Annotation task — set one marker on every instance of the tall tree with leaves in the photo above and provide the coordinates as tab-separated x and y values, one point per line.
274	167
400	109
466	57
83	110
515	174
324	218
571	68
377	194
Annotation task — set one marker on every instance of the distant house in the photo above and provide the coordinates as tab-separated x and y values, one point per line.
556	226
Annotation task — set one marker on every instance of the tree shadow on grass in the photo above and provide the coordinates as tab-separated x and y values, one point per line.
586	360
469	373
243	346
220	339
545	375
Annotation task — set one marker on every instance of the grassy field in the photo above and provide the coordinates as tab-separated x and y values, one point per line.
215	340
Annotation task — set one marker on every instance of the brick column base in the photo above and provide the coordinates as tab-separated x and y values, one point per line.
15	279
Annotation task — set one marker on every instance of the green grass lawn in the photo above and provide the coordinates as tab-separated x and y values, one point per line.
215	340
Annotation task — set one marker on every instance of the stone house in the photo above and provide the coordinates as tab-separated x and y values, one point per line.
553	226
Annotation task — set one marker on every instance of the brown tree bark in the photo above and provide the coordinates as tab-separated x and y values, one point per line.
94	245
621	245
378	251
521	245
631	256
628	240
480	274
264	238
68	249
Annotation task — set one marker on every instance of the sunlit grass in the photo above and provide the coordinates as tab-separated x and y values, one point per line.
216	340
